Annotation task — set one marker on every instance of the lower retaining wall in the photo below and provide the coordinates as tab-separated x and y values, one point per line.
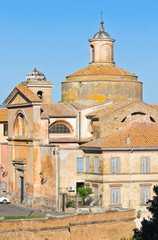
109	226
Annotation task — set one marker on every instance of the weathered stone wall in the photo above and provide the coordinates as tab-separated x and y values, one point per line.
90	92
109	226
123	117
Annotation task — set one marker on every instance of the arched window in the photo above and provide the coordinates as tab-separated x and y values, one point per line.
93	53
20	126
39	94
59	128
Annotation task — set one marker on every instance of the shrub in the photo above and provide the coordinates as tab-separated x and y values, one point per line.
83	192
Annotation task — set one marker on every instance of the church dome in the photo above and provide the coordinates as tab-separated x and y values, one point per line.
35	76
101	34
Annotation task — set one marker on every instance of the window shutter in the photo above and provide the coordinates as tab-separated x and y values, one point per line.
4	186
145	195
96	195
87	164
145	164
115	165
80	164
115	196
96	164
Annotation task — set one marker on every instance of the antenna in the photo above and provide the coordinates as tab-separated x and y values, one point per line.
101	15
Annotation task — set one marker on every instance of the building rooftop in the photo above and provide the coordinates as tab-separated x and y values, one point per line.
3	114
109	108
101	70
35	75
56	110
138	135
28	93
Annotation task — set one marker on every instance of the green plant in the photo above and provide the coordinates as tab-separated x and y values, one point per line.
22	217
83	192
149	227
70	203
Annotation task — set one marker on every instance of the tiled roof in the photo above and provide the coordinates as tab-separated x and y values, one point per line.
101	70
138	135
56	110
3	114
28	93
109	108
63	140
78	106
154	105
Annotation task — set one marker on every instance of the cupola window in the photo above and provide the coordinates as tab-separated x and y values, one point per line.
93	54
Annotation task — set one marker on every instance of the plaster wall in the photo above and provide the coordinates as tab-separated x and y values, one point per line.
90	92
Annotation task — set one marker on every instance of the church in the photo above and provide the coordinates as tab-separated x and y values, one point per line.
101	135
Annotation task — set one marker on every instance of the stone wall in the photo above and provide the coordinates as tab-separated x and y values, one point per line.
109	226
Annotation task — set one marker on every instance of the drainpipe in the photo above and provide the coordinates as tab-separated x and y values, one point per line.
57	179
79	125
130	197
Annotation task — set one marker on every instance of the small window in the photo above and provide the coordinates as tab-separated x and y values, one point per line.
93	53
96	166
80	164
145	164
87	164
145	194
5	130
115	196
96	195
115	165
39	94
4	186
59	128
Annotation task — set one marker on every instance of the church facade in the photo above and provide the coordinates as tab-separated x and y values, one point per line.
100	135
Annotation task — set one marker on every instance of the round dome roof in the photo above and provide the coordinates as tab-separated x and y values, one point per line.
35	76
101	34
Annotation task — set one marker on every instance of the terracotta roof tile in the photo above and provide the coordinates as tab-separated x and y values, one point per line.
78	106
56	110
28	93
138	135
3	114
154	105
109	108
101	70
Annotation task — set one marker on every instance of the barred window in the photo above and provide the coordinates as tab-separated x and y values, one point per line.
59	128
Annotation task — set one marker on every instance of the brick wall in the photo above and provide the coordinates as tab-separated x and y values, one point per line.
109	226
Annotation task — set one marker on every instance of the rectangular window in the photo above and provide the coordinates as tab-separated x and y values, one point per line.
96	195
5	129
115	196
96	166
145	164
80	164
87	164
145	194
4	186
115	165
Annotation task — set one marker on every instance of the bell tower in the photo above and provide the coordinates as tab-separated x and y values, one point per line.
101	47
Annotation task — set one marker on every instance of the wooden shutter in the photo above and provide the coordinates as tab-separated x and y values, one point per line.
96	167
145	195
96	195
115	165
80	164
115	196
145	164
87	164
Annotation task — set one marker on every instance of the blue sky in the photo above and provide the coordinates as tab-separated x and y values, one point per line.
53	37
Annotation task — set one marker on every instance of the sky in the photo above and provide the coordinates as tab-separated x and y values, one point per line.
53	37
